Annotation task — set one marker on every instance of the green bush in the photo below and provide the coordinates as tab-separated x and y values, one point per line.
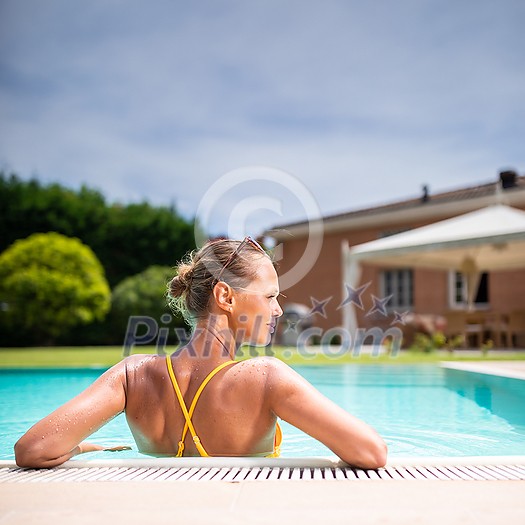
436	341
143	294
50	283
422	343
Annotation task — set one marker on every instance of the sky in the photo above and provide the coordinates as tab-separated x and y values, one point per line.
250	114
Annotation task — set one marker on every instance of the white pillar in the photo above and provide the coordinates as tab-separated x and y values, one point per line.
351	276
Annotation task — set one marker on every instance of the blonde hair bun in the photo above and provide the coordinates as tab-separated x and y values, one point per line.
181	283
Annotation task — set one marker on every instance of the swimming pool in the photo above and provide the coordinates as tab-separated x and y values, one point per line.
420	410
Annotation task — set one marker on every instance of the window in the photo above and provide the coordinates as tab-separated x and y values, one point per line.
458	291
400	285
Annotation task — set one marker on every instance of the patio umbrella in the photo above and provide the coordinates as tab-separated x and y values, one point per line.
492	238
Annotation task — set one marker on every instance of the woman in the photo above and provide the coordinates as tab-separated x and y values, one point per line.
199	401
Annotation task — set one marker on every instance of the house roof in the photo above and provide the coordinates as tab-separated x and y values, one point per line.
452	202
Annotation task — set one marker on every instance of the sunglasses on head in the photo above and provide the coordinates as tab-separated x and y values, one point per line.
242	244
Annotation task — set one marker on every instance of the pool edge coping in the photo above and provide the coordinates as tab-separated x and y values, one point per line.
300	462
486	368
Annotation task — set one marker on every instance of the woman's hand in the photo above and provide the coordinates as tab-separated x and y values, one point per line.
117	449
88	447
92	447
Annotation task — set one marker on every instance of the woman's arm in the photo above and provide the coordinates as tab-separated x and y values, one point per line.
59	436
296	401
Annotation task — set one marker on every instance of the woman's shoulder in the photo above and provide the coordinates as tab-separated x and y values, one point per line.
269	364
140	369
277	372
141	363
269	373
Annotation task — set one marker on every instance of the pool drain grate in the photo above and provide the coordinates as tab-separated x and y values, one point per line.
238	474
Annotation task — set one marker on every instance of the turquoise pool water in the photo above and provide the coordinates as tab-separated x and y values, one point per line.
420	410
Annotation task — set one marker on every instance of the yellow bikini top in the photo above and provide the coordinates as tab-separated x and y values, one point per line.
189	413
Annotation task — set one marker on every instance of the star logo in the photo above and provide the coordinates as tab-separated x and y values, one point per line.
318	307
379	305
354	295
400	317
292	326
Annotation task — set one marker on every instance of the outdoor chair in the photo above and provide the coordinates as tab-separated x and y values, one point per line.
460	323
516	329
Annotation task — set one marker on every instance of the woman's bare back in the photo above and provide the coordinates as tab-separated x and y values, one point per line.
232	416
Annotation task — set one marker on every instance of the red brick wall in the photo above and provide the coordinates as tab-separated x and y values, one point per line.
507	291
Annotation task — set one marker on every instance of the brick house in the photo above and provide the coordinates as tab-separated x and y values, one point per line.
421	291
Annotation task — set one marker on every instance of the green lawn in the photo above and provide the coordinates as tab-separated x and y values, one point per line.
64	357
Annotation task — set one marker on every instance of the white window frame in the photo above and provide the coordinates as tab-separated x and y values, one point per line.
453	303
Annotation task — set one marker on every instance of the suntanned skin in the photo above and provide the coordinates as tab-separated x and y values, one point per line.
237	411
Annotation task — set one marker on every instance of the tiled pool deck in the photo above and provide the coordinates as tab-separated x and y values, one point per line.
304	502
418	490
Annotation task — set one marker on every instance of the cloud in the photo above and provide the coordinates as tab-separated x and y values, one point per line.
363	102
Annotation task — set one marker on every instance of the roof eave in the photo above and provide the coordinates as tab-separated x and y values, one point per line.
422	212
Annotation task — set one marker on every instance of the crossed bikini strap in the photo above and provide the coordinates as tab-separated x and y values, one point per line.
189	413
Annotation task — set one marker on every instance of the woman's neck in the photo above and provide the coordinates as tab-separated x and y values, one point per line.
214	338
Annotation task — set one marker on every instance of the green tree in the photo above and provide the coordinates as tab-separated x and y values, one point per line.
126	238
28	207
139	236
144	295
50	283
